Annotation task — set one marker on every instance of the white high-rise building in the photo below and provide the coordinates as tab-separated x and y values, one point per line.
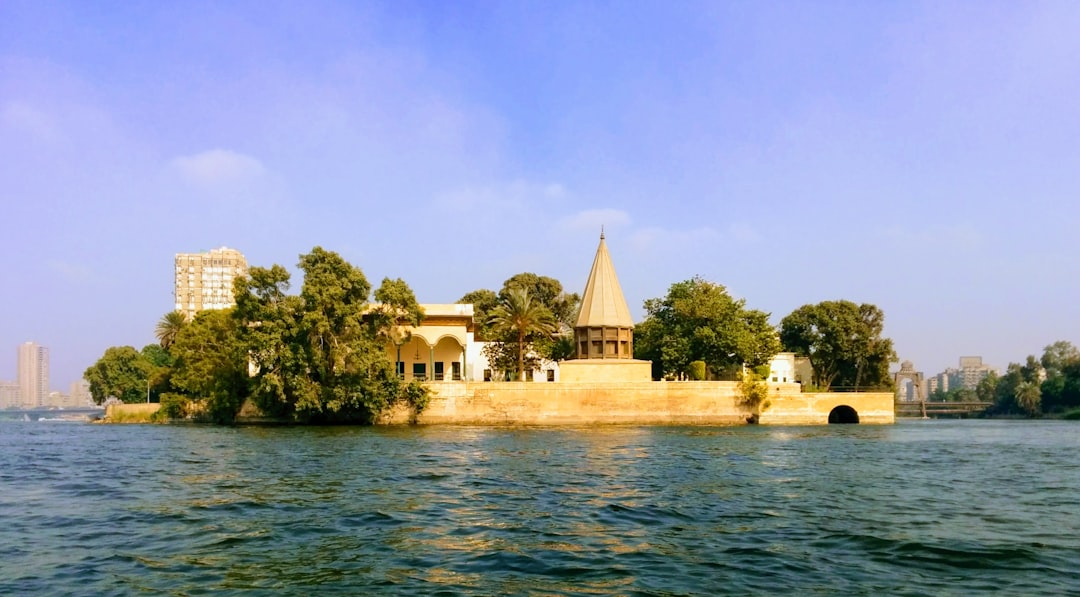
33	375
205	280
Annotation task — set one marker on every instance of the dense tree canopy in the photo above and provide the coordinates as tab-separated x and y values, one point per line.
122	373
503	348
1050	384
699	320
315	356
844	343
395	312
319	356
211	366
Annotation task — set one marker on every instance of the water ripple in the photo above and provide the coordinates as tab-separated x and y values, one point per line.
944	508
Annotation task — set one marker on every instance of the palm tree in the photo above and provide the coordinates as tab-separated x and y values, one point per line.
168	328
1028	397
518	314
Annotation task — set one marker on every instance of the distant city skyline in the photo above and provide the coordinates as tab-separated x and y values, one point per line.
921	157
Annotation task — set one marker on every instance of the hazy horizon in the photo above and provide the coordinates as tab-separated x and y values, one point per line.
920	156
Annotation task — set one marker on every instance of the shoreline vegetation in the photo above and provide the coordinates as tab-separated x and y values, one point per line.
320	356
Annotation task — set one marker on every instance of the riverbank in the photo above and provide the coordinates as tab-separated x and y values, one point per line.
580	403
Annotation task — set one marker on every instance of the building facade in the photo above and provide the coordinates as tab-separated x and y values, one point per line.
205	280
33	375
9	395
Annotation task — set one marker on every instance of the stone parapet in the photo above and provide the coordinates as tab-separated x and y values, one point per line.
131	413
633	403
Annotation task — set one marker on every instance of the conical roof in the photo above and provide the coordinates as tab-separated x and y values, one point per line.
603	304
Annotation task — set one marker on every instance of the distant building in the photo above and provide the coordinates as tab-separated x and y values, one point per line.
972	370
79	394
33	375
205	280
9	395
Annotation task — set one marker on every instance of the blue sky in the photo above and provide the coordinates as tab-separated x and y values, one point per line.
924	157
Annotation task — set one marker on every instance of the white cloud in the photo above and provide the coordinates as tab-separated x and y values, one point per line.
593	219
219	166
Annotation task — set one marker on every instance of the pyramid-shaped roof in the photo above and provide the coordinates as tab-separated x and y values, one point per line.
603	304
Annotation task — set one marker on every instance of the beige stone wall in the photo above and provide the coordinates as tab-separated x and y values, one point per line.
639	403
604	371
130	413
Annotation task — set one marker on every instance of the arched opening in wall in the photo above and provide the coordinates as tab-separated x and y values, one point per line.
843	415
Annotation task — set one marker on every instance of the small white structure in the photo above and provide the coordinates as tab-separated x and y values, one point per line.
782	368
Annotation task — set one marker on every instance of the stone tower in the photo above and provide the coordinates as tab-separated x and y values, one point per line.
604	327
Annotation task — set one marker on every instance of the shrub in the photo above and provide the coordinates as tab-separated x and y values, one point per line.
697	370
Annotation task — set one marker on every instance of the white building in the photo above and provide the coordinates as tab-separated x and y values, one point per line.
33	375
205	280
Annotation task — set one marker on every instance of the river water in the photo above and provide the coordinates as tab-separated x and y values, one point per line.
919	508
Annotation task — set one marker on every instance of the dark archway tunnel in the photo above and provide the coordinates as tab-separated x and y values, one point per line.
843	415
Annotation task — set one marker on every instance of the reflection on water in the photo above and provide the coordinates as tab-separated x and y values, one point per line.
929	507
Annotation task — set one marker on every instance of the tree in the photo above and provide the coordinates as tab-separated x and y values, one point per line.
544	290
122	372
315	358
548	292
1028	397
1061	388
484	302
268	329
1017	391
211	366
843	341
161	369
986	388
395	311
699	320
517	314
168	327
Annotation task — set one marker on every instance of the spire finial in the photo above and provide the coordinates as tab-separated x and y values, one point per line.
601	232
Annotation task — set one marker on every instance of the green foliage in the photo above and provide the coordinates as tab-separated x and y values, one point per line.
169	327
157	356
1072	415
521	317
753	393
320	356
543	290
697	370
1017	392
549	293
483	302
416	395
1060	390
699	320
211	366
954	395
844	343
121	372
395	313
986	390
174	407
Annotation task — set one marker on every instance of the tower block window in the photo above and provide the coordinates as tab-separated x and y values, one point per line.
604	327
